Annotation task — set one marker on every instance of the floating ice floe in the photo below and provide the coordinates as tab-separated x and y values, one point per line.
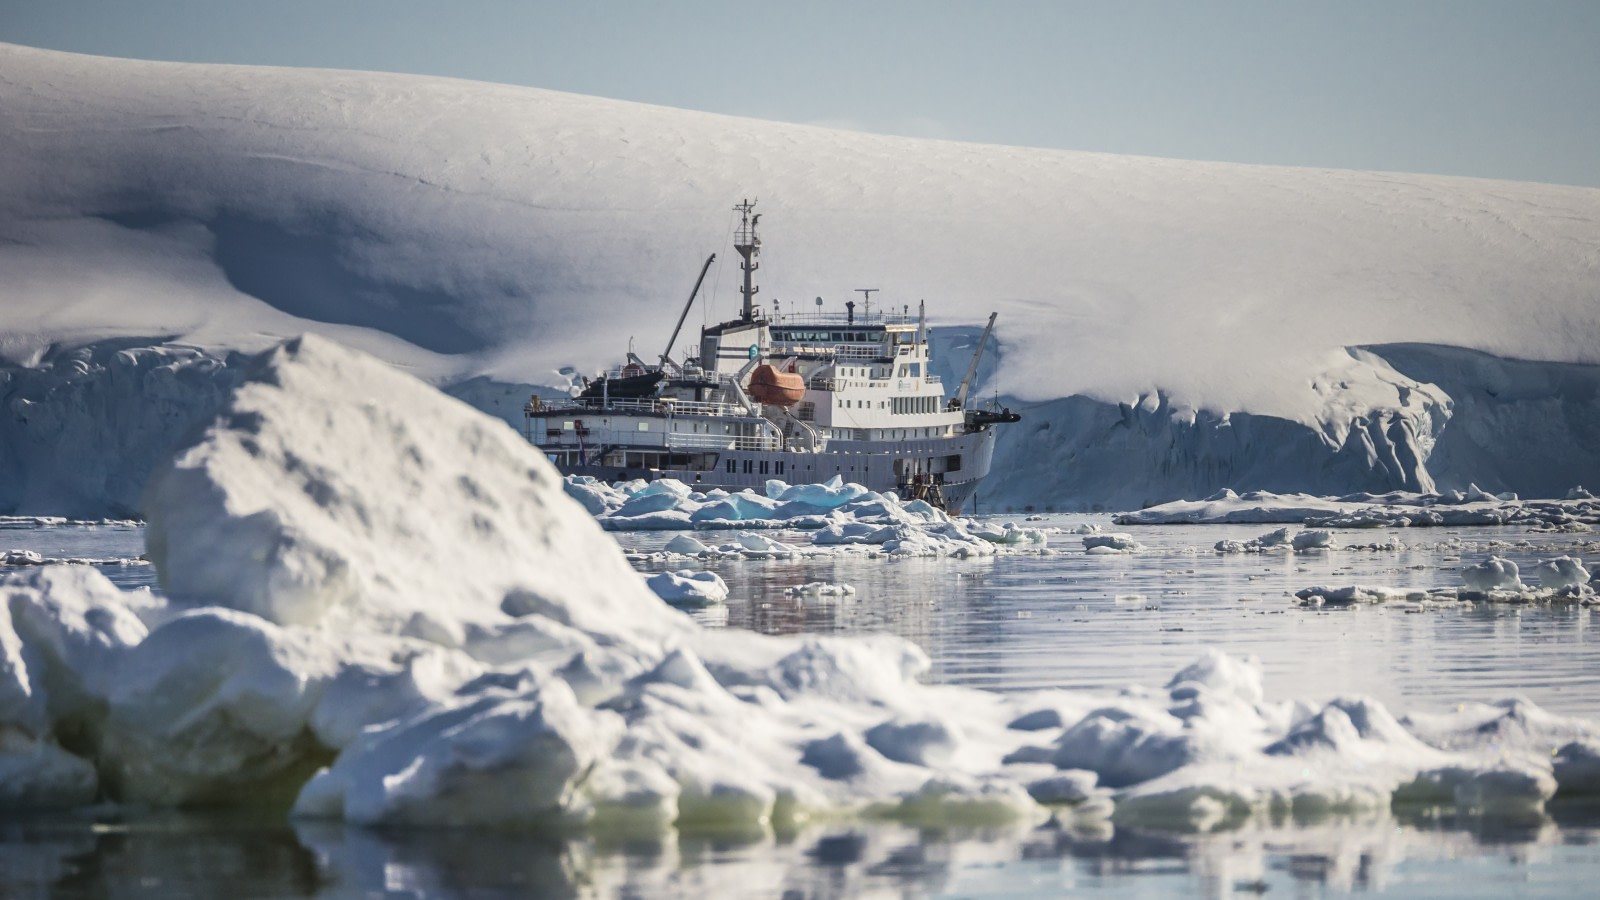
15	558
1561	580
666	503
1280	540
1111	542
1005	532
836	514
687	587
820	589
1360	593
1493	574
380	603
29	522
1394	510
1561	572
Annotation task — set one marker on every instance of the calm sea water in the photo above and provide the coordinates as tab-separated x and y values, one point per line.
1008	623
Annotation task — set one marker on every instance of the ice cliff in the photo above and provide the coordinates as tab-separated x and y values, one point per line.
1180	327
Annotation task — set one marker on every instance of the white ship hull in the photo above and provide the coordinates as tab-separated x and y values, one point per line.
886	467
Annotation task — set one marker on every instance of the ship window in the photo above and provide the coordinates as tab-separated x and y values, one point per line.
780	467
567	425
747	466
731	466
764	466
644	426
952	463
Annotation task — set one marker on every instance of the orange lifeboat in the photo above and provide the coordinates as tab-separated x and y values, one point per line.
770	386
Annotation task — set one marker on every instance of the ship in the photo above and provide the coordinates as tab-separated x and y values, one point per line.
800	398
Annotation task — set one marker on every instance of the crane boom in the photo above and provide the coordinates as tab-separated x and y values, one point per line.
972	370
667	357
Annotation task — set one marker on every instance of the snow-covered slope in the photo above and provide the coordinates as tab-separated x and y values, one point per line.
461	229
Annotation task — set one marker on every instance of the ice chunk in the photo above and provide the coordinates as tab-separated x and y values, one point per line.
1561	572
1111	542
1006	533
330	485
830	494
1313	539
759	546
1493	574
684	545
687	587
820	589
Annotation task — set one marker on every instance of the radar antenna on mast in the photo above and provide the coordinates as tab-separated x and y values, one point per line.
748	244
866	304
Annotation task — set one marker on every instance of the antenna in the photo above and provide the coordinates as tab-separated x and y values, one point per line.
748	244
866	306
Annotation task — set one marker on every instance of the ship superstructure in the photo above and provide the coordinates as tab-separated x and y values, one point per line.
800	398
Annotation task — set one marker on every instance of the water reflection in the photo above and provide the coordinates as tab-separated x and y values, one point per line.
207	855
1070	620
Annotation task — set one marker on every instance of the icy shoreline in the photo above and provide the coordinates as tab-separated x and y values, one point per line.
1578	512
382	608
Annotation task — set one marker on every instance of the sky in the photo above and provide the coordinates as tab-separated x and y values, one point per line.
1455	87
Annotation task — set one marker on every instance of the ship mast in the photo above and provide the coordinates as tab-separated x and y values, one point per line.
749	246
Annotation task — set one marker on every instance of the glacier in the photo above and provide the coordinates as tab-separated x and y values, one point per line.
1168	328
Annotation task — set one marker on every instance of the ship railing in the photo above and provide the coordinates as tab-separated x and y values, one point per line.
700	408
678	439
859	351
781	349
820	384
647	404
668	405
845	320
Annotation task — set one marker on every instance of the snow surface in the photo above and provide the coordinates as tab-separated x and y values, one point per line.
403	619
1199	325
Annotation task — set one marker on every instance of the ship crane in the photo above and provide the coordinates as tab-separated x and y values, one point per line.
972	370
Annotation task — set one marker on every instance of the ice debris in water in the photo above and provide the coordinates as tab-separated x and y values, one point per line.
1005	532
839	516
1281	539
686	587
1111	542
1493	574
820	589
19	558
1564	579
1579	511
1561	572
381	604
